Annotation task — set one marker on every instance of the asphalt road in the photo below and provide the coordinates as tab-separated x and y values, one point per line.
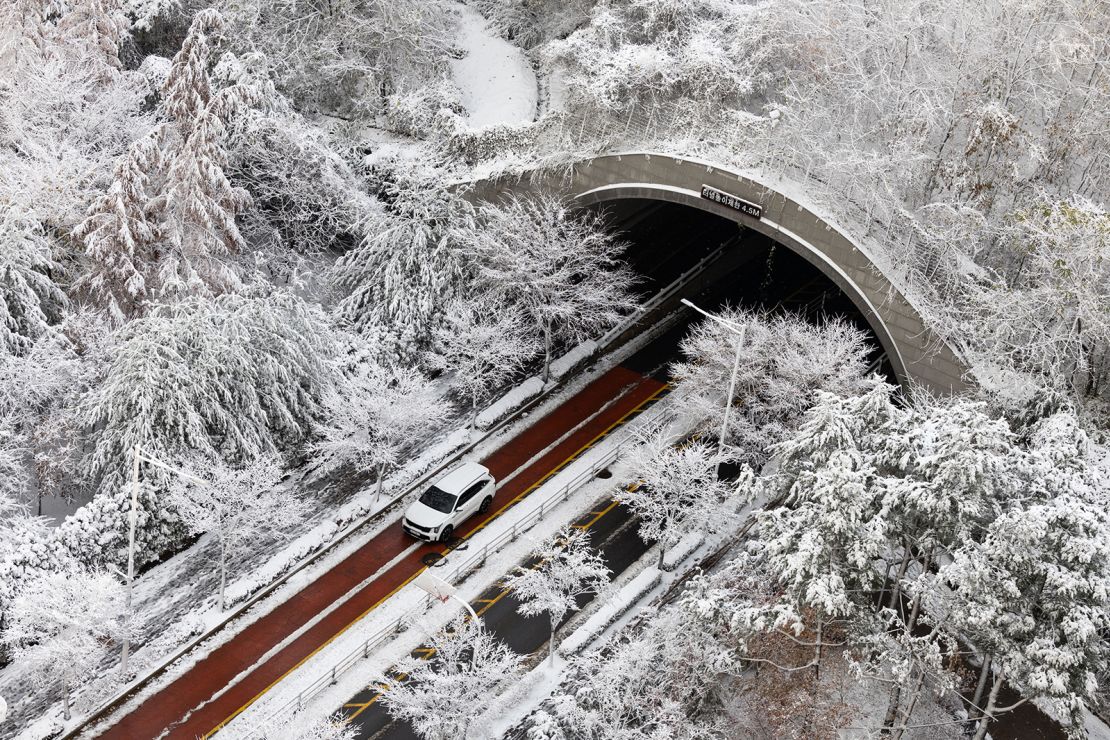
612	533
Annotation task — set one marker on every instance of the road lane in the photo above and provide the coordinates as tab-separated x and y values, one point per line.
613	533
188	707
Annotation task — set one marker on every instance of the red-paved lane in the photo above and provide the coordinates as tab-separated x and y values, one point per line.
168	708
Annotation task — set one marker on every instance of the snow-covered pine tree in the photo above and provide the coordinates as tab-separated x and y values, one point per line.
559	268
820	547
1034	595
201	202
188	88
121	230
565	569
95	30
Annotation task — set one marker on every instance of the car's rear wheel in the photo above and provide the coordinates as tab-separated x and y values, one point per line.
485	504
446	534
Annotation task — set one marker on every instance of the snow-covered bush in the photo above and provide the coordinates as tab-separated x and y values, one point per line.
527	22
491	142
423	111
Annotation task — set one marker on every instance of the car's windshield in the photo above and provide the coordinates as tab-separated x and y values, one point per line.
438	500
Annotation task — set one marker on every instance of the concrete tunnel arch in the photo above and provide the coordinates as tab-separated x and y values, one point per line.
918	356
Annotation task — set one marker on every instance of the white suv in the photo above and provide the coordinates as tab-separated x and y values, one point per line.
467	489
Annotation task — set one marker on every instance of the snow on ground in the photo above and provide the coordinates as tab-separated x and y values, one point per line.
495	78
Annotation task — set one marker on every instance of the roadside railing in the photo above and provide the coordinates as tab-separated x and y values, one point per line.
657	300
456	574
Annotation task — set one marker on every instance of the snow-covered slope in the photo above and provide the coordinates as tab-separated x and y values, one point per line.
496	79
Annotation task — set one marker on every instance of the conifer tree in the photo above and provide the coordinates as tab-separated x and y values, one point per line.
121	230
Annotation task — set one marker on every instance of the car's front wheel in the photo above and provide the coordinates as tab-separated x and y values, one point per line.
485	504
446	534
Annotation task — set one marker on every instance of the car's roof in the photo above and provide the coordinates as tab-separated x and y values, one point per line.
458	479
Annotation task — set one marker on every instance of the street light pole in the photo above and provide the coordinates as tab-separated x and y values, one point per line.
740	330
477	627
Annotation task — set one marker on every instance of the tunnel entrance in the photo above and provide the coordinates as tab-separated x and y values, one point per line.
724	264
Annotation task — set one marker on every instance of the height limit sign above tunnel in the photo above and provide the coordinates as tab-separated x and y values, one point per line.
727	199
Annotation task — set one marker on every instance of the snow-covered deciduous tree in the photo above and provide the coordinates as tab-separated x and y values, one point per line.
60	623
561	269
675	490
440	696
408	267
349	56
120	233
236	506
30	300
651	681
783	362
374	413
481	348
565	569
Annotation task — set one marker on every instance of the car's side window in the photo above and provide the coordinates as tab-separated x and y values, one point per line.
470	493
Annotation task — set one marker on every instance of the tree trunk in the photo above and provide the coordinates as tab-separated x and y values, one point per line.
909	710
65	703
896	587
975	712
381	478
546	353
892	706
223	575
817	657
992	704
551	645
473	413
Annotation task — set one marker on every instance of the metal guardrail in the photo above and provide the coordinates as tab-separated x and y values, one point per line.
645	309
456	573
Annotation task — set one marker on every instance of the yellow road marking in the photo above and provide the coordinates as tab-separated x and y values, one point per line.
653	397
